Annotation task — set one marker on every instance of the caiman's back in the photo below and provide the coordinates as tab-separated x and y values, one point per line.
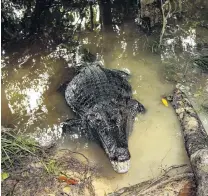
95	84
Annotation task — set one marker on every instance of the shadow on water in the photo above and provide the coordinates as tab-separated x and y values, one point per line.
37	59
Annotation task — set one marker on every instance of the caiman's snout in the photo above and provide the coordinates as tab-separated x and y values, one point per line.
121	161
122	154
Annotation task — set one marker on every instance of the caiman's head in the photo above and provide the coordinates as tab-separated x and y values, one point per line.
110	129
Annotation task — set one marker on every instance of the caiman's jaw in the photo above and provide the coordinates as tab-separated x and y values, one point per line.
122	163
121	167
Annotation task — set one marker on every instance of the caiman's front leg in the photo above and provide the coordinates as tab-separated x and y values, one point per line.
134	107
74	126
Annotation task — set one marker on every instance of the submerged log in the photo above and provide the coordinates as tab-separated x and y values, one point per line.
195	139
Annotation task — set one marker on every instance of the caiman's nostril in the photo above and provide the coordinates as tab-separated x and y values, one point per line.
122	154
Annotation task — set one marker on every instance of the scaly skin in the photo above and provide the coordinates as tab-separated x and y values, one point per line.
102	99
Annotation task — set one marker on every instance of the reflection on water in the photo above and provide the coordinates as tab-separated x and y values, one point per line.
33	100
37	107
27	100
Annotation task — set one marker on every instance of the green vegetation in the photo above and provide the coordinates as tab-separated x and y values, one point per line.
205	108
15	148
202	63
52	167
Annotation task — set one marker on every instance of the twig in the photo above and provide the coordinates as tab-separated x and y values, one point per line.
86	168
73	152
165	17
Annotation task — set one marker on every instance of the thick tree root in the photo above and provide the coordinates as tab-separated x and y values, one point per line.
177	181
195	139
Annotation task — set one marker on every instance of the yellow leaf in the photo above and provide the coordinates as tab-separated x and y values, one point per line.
165	102
66	189
4	176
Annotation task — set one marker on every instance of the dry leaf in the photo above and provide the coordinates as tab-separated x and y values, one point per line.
72	181
69	181
62	178
187	190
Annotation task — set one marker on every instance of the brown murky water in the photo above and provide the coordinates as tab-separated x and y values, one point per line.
156	142
31	102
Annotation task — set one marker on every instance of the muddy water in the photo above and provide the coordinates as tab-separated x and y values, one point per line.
155	143
32	103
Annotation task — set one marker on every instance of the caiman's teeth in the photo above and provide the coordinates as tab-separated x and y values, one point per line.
121	167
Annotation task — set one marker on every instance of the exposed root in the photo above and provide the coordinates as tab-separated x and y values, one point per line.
170	183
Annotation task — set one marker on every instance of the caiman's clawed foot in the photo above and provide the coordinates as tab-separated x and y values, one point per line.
136	107
142	109
72	126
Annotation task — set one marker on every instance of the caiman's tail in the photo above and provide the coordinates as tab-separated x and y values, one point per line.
83	58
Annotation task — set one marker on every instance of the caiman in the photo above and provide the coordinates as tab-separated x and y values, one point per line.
106	111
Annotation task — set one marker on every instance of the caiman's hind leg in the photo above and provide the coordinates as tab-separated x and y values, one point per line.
134	107
121	73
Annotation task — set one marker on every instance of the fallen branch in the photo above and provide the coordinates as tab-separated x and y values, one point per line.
195	139
176	181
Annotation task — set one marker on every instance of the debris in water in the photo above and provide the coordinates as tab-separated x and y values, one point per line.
165	102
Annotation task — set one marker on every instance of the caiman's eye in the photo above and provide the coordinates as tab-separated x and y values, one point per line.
102	131
98	121
116	118
113	118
